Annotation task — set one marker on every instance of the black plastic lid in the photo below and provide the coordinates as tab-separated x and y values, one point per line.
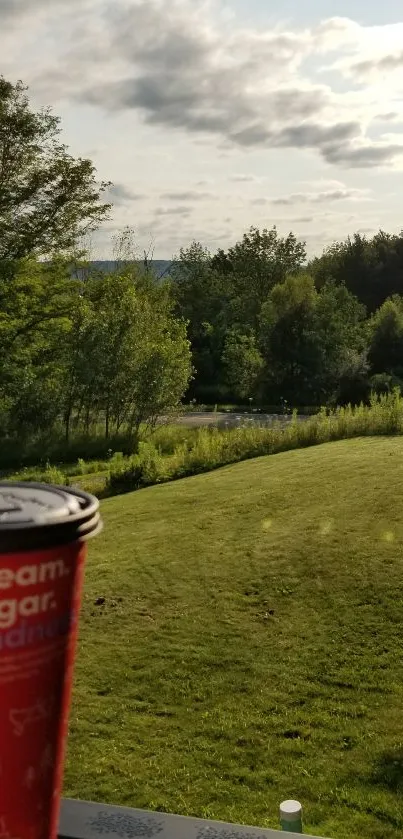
34	516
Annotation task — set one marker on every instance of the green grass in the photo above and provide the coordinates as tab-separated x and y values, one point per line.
250	645
89	453
92	474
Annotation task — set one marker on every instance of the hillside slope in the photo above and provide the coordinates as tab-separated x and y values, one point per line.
249	648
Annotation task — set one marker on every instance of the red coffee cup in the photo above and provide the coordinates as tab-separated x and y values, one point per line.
43	530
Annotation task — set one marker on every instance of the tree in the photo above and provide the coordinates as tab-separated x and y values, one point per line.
224	294
129	356
242	363
386	338
340	320
32	295
353	385
290	342
371	269
202	299
104	349
48	199
37	301
253	266
308	339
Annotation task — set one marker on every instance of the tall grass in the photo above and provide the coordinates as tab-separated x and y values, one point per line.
210	448
173	452
83	454
52	448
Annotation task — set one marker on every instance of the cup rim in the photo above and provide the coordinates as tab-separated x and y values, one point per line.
74	527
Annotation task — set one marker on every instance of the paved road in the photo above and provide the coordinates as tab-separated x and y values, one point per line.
222	420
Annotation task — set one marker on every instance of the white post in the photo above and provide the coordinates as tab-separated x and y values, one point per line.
291	816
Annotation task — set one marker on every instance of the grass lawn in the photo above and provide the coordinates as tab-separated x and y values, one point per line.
250	645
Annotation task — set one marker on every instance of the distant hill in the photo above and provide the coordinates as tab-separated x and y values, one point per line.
161	267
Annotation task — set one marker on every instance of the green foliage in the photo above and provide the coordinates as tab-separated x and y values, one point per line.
221	296
49	475
242	363
289	341
371	269
211	448
202	299
384	383
386	338
77	353
353	383
167	437
129	358
36	304
48	200
143	469
107	349
308	339
254	265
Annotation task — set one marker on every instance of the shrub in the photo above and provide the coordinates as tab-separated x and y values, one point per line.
53	448
127	479
48	475
177	452
143	469
381	383
210	448
166	438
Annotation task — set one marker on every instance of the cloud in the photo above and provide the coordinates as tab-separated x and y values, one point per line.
327	138
244	179
364	155
301	220
8	9
14	9
384	64
12	12
320	197
173	211
389	116
178	67
189	195
374	55
221	105
121	194
336	32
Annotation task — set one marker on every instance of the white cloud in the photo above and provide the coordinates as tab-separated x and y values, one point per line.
181	101
172	63
189	195
244	179
335	33
180	210
341	193
373	56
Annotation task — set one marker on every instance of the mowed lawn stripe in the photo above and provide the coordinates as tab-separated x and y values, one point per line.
249	648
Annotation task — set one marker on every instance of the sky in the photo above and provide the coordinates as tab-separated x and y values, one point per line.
209	116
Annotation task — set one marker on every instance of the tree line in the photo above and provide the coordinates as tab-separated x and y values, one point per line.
265	324
257	323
